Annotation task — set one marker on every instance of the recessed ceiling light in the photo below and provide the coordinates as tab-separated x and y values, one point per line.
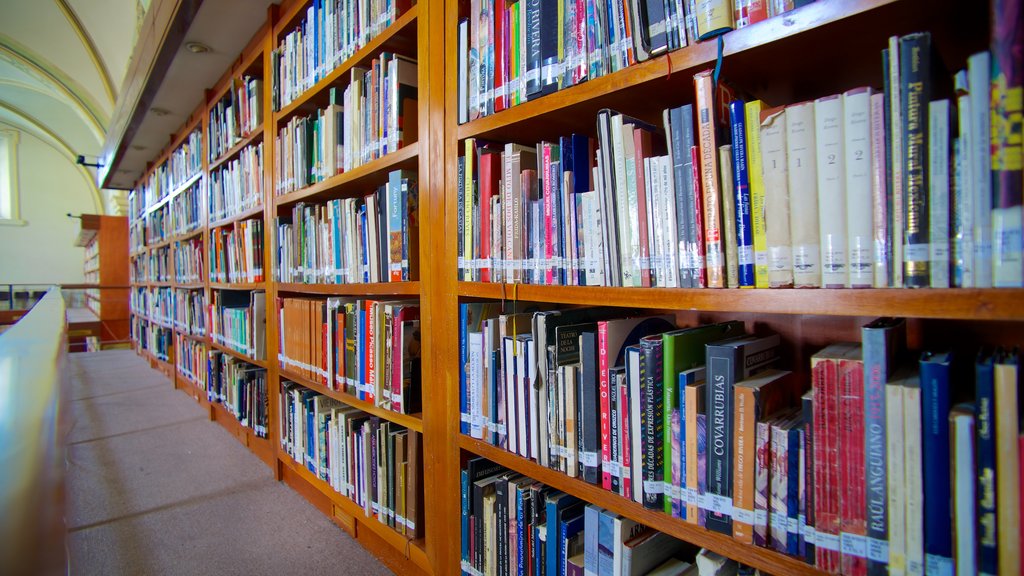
138	147
197	47
160	111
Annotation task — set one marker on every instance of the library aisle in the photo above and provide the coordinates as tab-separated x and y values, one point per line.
154	487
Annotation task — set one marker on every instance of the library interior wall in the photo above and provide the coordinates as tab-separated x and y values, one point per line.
49	186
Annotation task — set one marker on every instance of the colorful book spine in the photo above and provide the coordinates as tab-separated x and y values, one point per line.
915	93
987	497
741	189
758	221
852	485
711	194
938	512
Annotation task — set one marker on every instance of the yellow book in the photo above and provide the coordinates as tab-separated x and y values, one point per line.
1007	463
759	227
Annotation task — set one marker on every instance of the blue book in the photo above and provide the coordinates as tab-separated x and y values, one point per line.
570	523
938	514
741	189
793	486
606	543
985	421
882	340
591	538
554	504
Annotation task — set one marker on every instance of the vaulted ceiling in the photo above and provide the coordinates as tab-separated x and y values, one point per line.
62	63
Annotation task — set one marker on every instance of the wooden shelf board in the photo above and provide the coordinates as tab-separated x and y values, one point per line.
768	560
356	179
161	244
186	184
374	289
182	286
684	62
237	354
191	336
238	285
952	303
254	137
388	534
410	421
363	55
244	215
188	235
161	284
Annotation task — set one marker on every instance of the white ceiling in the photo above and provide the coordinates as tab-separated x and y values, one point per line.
63	66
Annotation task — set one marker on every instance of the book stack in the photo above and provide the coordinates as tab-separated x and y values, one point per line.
191	359
188	210
331	32
160	264
749	198
238	321
185	162
512	524
161	306
158	225
153	189
159	340
235	116
190	311
138	299
366	348
237	186
236	252
515	52
373	462
353	240
188	261
241	388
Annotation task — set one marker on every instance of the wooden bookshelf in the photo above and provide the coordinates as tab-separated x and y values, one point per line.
410	421
255	137
105	239
370	289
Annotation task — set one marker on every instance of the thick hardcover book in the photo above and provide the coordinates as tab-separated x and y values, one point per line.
1007	391
684	350
590	408
741	180
758	220
985	398
803	190
828	137
775	169
882	340
754	399
728	362
852	515
652	423
710	192
915	93
961	431
1007	50
938	513
857	162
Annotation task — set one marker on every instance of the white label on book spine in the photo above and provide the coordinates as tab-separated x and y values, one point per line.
778	522
716	504
745	255
811	535
792	525
533	75
828	541
589	459
654	487
692	496
468	569
499	428
916	252
612	468
744	516
465	417
878	550
760	517
938	565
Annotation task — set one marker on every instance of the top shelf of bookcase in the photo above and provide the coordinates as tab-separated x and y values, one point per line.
785	59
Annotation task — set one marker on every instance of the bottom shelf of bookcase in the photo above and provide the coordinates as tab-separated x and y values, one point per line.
764	559
261	447
400	554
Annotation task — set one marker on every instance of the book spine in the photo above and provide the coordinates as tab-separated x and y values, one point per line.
985	418
851	481
653	424
831	190
762	483
876	372
915	93
721	374
802	177
732	278
962	464
1007	389
826	521
772	126
741	185
938	513
913	428
779	488
938	193
744	421
605	406
979	80
711	195
858	164
758	220
693	477
807	524
1007	77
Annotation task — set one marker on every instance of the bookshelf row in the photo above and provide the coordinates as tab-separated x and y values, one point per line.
387	209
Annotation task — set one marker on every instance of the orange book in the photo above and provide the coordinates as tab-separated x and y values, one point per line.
714	249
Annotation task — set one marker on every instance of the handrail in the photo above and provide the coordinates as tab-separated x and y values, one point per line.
32	355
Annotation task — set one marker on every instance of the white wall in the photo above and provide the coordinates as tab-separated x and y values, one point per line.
49	186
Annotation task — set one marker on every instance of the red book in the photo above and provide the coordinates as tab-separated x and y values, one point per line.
853	512
339	347
500	62
642	149
370	354
325	343
603	365
490	170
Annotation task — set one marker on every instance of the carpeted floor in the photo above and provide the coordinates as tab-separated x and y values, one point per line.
154	487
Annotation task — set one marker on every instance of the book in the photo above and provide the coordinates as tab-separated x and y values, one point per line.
714	17
879	192
987	495
731	251
915	93
938	193
936	396
710	191
775	165
743	194
979	80
1006	401
758	217
803	206
913	474
831	190
858	153
962	466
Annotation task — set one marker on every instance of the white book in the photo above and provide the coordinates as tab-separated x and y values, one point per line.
913	470
962	445
859	187
511	402
525	373
633	359
671	253
895	470
776	192
831	173
978	78
938	193
655	234
803	179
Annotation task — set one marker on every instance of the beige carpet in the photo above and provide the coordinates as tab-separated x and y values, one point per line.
154	487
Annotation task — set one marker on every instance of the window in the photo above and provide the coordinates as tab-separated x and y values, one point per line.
9	211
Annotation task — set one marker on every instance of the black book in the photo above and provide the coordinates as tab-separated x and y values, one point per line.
534	49
651	422
590	408
915	93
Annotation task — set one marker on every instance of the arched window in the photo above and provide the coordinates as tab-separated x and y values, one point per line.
9	210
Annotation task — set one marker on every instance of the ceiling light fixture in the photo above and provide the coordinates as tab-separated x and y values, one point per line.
197	47
160	111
